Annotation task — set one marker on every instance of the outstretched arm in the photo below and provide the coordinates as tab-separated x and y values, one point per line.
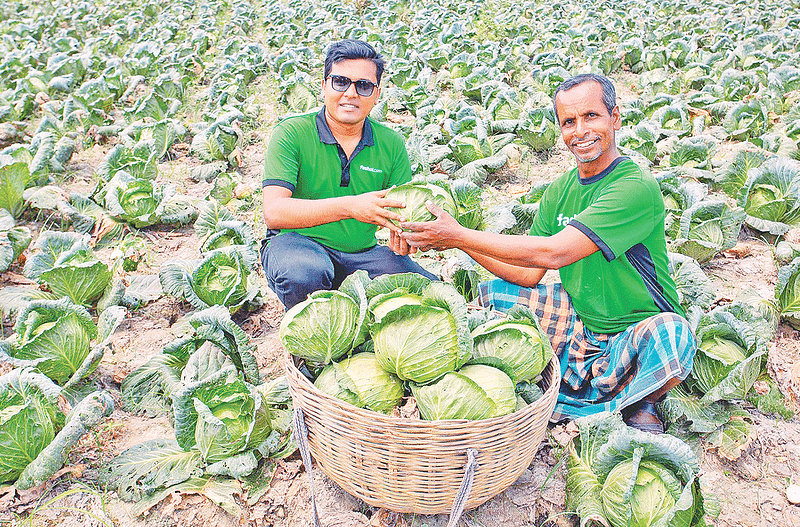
282	211
519	259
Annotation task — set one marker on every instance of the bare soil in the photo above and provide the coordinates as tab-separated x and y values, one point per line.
752	489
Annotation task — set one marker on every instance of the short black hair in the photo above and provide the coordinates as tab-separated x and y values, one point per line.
609	94
351	49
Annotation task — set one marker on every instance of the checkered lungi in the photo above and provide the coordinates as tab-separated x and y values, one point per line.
600	372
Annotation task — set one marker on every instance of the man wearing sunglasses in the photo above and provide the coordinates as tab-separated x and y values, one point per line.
326	175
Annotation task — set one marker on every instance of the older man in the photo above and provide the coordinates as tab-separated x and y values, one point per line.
615	320
325	175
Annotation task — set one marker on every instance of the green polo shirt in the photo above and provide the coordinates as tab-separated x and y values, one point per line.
304	157
621	210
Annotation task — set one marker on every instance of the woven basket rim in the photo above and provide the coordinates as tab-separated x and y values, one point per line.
366	413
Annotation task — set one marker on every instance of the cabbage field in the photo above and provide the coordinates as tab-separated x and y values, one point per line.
140	358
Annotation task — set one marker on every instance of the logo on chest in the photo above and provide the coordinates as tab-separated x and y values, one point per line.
370	169
563	221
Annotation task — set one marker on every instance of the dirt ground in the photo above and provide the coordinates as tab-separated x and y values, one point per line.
752	489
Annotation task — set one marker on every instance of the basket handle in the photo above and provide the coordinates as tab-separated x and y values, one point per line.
466	487
301	438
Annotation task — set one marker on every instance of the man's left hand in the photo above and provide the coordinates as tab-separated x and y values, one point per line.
400	246
439	234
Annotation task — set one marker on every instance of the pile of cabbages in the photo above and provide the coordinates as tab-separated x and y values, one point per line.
373	343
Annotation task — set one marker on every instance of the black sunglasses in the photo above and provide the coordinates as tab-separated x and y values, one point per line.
363	87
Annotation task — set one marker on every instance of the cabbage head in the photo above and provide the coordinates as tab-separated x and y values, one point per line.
771	196
517	346
537	127
707	228
496	384
360	381
415	194
655	492
732	341
35	436
221	415
454	396
141	202
66	263
224	277
421	338
621	477
323	327
717	358
53	336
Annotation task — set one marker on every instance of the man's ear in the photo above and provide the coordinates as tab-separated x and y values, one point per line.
616	118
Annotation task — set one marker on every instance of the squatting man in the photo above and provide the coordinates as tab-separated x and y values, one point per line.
614	320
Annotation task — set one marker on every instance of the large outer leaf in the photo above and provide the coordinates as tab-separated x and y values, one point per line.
14	178
734	435
413	282
49	246
82	278
221	491
148	467
214	324
704	417
694	287
787	291
210	213
82	418
14	298
29	419
583	490
148	388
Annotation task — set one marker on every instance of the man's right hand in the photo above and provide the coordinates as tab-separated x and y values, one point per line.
371	208
281	211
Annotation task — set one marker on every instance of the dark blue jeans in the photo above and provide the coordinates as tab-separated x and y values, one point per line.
296	266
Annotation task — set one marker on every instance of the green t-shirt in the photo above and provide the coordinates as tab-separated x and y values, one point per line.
622	211
304	157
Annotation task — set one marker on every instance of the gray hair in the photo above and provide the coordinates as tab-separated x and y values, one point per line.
609	94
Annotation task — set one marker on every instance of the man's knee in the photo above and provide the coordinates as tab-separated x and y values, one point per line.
296	268
672	334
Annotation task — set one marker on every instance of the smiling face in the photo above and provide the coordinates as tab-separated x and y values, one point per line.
347	108
587	128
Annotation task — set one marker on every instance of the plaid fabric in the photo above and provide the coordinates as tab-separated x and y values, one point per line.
600	372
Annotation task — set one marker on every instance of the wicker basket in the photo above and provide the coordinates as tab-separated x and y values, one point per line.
416	466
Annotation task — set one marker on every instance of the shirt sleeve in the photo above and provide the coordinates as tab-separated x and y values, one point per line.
622	217
281	160
401	168
542	222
